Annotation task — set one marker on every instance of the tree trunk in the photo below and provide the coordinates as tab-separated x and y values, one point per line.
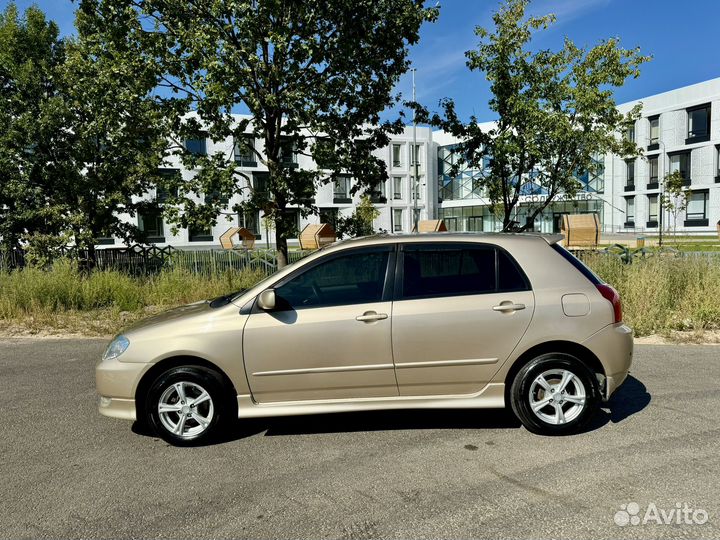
281	247
87	264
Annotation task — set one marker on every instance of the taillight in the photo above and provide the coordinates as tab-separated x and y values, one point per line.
612	296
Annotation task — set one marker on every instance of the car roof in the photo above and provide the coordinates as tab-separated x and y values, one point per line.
490	237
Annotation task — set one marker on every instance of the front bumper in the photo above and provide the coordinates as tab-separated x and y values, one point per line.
613	346
117	408
115	383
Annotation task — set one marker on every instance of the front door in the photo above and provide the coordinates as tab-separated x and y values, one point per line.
459	311
329	337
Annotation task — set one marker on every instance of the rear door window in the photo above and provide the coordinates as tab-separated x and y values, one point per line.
430	271
436	270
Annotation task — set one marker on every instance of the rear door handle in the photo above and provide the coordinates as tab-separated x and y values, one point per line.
508	307
370	316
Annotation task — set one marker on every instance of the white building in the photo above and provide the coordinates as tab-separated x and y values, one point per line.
332	199
677	131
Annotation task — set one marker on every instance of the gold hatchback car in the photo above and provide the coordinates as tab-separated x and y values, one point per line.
442	320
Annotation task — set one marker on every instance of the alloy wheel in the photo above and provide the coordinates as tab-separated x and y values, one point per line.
557	396
185	409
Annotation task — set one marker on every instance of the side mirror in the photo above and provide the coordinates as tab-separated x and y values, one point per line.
266	300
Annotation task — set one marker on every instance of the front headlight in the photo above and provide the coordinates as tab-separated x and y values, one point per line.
117	346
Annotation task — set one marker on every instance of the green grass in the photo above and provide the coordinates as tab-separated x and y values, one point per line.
100	303
660	294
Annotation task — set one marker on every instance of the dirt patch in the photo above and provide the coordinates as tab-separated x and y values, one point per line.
700	337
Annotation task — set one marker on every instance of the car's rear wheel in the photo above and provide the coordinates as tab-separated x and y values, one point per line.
188	405
554	394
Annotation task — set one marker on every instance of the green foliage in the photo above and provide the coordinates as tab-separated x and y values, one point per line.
314	76
82	140
31	59
33	292
661	293
360	223
556	110
675	197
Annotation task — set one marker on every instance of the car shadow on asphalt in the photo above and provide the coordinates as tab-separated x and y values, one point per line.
631	398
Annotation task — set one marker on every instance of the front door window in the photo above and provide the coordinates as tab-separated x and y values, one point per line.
350	279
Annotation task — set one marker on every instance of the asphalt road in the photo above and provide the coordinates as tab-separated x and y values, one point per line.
67	472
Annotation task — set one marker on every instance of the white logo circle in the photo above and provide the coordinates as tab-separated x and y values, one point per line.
627	515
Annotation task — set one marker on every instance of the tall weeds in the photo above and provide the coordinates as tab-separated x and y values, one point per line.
658	294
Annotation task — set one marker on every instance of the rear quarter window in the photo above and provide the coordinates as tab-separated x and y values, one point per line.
578	264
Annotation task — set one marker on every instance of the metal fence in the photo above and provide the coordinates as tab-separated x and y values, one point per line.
138	260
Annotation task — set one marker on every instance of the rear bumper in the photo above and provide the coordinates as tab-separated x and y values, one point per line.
613	346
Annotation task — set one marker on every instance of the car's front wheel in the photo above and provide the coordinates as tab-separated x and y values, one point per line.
188	405
554	394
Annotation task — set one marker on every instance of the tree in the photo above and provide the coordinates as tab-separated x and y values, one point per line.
314	77
675	197
556	111
31	56
83	141
360	223
114	140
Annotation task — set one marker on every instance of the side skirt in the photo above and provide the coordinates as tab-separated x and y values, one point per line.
491	397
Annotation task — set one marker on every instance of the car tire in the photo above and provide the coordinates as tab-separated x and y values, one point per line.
555	394
189	405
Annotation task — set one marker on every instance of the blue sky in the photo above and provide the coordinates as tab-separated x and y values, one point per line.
681	36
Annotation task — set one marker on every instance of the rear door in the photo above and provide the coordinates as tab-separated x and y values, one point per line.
459	311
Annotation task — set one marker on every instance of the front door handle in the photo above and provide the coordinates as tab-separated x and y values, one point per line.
508	307
370	316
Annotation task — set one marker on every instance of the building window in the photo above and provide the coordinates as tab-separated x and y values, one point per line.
167	187
697	209
291	217
652	211
341	190
717	164
630	133
288	154
378	194
653	168
681	162
200	234
323	152
416	154
197	146
245	151
654	132
397	155
150	223
397	187
260	183
329	216
397	220
630	175
214	197
249	220
629	211
417	188
698	124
